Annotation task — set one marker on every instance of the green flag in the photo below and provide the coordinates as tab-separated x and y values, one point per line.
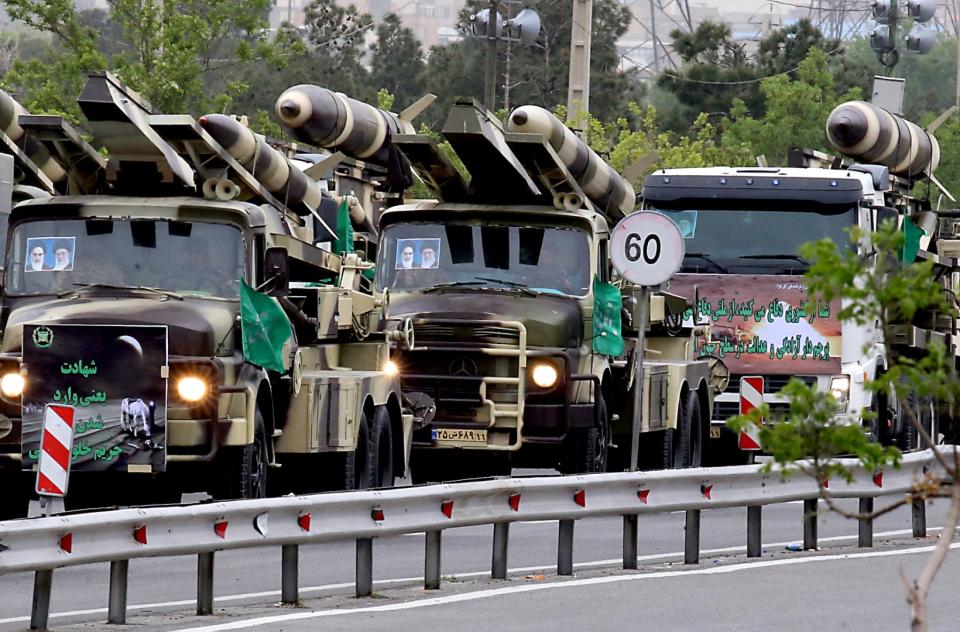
344	243
607	302
911	240
264	329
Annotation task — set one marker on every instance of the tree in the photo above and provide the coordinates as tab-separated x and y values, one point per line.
795	111
396	61
166	50
891	294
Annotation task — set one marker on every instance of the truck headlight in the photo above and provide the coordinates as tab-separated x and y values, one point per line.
12	385
544	375
191	388
840	388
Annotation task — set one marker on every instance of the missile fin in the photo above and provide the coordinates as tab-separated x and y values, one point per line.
416	108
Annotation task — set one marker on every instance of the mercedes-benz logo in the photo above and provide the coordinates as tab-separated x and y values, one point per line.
464	367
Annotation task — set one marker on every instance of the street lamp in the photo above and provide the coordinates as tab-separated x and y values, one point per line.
524	28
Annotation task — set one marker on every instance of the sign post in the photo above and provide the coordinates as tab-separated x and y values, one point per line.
646	249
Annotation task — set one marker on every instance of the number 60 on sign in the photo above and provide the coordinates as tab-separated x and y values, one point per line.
646	248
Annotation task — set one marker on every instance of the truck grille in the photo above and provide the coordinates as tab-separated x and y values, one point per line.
466	334
771	383
726	410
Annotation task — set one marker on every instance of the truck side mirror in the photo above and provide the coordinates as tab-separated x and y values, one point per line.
885	213
276	272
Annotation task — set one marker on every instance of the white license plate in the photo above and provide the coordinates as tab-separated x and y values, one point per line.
714	432
460	435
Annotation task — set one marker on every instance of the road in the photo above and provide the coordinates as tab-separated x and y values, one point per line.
785	590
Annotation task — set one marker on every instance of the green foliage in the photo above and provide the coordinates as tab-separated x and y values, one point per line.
396	61
164	51
795	111
385	99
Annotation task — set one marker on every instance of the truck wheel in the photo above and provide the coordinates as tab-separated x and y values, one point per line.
588	449
381	449
352	470
693	453
245	468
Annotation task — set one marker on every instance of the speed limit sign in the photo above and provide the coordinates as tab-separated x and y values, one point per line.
646	248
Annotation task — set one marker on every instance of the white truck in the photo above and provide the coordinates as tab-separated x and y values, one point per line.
742	230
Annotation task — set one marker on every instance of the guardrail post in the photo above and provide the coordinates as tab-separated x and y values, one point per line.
754	530
42	585
205	584
630	541
501	539
565	548
810	524
117	608
364	567
865	530
431	562
290	573
691	546
919	518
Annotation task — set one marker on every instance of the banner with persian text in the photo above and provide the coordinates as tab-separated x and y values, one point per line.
115	378
763	324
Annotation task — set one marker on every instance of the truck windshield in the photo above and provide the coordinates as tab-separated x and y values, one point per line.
430	255
756	240
64	255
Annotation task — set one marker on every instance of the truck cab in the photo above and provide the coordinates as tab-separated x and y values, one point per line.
742	230
500	283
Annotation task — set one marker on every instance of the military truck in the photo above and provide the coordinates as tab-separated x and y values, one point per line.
500	278
136	303
743	228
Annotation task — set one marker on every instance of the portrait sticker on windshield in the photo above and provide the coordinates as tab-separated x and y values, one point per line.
45	254
418	253
686	221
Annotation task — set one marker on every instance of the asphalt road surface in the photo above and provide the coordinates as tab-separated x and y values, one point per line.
837	587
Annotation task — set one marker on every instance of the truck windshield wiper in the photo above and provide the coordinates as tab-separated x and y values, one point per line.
443	286
142	288
708	259
796	258
520	286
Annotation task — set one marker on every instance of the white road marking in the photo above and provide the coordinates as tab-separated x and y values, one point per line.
573	583
402	580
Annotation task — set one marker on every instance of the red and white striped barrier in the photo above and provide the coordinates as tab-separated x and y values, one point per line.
56	446
751	396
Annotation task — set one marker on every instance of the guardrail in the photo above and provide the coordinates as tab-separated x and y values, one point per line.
43	544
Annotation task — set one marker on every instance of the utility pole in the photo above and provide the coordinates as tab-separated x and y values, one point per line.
578	85
490	82
653	34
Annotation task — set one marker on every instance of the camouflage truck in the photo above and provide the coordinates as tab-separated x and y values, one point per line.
501	277
135	301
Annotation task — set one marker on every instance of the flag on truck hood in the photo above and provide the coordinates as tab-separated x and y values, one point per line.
607	302
264	328
344	243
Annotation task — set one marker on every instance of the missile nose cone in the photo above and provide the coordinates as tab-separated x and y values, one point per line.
203	121
519	117
846	130
289	108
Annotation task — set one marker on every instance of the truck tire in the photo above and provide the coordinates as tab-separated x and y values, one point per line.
244	469
693	421
381	449
352	470
587	450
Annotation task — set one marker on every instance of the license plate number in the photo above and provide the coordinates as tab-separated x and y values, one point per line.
462	435
714	432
